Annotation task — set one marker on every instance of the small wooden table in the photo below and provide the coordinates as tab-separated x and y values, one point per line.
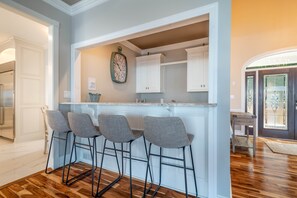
246	119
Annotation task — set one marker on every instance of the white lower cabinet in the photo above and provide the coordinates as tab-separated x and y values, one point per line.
197	69
148	74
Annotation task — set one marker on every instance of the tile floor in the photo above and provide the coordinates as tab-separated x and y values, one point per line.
18	160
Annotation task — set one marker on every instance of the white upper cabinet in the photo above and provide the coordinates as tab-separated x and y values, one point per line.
148	74
197	69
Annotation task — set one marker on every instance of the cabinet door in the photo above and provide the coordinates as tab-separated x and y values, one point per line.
197	69
153	75
205	70
141	77
148	74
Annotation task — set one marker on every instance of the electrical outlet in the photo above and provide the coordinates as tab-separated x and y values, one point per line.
67	94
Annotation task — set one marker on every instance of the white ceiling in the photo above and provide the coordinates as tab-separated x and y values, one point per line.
12	24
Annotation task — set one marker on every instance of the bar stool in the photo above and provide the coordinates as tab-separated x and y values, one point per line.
43	110
168	132
58	123
83	127
116	129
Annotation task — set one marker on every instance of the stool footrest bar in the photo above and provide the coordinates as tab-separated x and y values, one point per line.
78	177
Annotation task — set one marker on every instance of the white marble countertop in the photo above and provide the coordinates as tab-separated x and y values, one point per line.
173	104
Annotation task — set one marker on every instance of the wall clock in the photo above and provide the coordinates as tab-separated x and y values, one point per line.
118	66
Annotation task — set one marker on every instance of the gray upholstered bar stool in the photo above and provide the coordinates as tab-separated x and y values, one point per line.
82	126
116	129
168	132
58	123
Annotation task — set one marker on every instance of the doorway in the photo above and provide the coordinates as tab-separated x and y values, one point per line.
277	103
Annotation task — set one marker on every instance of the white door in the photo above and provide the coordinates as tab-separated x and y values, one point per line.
30	95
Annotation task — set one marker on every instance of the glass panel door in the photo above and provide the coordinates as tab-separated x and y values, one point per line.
275	101
250	94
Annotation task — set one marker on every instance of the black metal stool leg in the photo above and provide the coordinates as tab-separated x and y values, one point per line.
100	193
100	171
185	171
64	161
130	165
49	153
90	147
96	156
147	167
122	148
93	170
145	148
195	182
69	165
160	174
80	176
116	156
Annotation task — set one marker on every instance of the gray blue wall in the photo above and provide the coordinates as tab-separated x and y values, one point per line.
64	40
117	15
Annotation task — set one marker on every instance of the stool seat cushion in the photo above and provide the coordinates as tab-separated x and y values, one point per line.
116	128
82	126
57	121
167	132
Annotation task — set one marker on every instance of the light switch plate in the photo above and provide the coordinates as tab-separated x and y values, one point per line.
67	94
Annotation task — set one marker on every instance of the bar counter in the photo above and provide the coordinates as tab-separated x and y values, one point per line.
196	119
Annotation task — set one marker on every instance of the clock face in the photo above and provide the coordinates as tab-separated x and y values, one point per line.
118	67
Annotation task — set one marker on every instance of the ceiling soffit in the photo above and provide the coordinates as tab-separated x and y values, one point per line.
177	35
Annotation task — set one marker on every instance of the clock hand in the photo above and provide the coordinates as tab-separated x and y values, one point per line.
119	67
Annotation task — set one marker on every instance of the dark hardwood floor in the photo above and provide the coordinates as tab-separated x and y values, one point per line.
266	175
43	185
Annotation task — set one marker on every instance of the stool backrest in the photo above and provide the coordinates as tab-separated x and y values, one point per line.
81	125
57	121
167	132
115	128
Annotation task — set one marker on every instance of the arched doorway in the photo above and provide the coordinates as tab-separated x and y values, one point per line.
271	83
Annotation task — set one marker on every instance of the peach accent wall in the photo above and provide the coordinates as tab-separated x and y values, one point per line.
96	64
259	27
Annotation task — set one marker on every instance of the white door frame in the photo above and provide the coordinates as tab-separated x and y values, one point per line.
243	85
52	67
212	11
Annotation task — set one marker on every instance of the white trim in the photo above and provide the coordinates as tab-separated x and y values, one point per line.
60	5
160	25
220	196
75	8
186	44
85	5
131	46
174	63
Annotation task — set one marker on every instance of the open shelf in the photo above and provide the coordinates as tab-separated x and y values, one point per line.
174	63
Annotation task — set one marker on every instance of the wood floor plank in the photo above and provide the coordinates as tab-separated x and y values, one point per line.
50	185
266	175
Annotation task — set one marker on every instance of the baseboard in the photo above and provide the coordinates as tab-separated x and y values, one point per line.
220	196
